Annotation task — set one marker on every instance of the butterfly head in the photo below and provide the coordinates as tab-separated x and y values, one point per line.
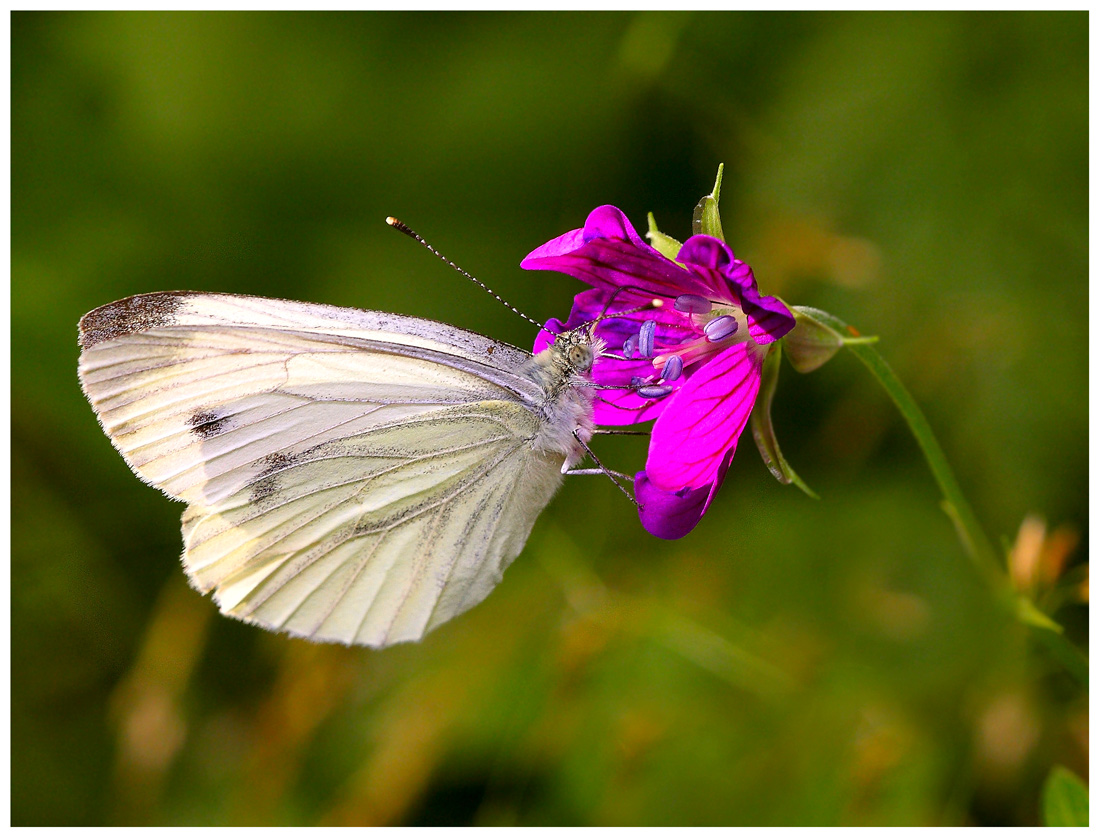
577	350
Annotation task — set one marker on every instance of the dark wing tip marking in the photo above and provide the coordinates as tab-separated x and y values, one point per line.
132	315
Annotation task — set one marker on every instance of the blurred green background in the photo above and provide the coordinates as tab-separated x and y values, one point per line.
923	176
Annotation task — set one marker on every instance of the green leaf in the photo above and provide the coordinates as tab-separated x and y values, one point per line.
762	430
1065	799
666	245
706	220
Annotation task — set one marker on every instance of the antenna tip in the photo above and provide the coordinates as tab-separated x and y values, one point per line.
397	225
658	303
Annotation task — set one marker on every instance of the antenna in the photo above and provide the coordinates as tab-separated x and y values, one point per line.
398	225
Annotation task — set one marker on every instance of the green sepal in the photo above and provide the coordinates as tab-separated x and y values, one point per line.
666	245
706	220
811	343
763	433
1029	614
1065	799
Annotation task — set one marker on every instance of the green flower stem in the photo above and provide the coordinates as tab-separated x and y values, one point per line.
973	537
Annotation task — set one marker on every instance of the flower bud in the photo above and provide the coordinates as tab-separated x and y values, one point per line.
810	343
705	220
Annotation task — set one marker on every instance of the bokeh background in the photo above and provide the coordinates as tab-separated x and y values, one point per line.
923	176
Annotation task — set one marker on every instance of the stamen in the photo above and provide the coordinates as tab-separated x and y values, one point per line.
720	328
674	367
692	304
645	338
654	391
629	345
618	406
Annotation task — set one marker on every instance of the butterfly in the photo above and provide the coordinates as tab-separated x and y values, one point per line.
350	476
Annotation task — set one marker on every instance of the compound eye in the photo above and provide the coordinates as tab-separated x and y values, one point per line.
578	356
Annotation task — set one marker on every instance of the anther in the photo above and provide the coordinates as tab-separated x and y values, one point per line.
645	338
692	304
674	367
654	391
720	328
629	345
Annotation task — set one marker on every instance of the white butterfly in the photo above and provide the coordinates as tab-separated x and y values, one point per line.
351	476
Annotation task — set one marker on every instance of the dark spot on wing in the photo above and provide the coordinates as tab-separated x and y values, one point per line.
206	424
132	315
267	483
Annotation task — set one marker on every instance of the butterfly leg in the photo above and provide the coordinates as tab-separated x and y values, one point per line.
610	474
591	472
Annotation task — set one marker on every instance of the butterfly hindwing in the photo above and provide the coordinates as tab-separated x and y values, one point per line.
379	537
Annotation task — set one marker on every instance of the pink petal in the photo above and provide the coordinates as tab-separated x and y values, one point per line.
704	420
560	246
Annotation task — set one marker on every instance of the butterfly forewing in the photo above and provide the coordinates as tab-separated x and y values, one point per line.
352	476
196	390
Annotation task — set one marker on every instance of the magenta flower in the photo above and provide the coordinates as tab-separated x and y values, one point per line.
693	364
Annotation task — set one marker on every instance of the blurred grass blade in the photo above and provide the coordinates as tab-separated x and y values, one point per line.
722	658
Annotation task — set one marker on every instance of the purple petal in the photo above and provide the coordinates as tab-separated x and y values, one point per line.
669	514
608	253
672	514
713	261
769	319
702	422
